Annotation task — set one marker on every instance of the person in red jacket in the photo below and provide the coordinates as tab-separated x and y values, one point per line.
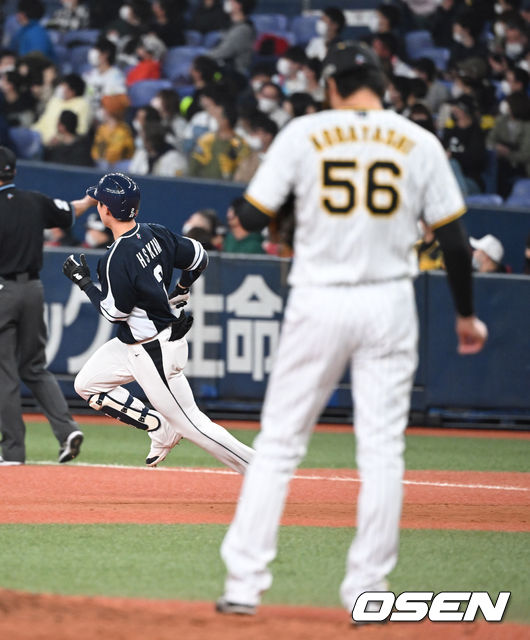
149	50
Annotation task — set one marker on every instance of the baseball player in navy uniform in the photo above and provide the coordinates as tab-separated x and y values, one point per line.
135	276
361	178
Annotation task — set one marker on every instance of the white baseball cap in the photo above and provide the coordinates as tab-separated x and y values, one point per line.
491	246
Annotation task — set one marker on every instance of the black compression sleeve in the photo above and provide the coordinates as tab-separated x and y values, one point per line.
457	255
251	218
94	295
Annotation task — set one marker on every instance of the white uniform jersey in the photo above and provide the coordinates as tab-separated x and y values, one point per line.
362	179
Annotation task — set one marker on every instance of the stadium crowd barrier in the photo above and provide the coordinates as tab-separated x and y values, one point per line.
238	306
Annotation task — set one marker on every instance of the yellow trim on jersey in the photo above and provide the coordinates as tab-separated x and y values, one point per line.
259	206
448	219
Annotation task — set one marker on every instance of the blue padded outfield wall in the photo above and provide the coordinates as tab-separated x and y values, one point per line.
238	305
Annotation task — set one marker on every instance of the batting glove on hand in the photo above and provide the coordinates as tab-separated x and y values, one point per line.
179	297
79	274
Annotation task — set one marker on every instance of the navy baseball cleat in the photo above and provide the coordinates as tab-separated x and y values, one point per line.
223	606
71	446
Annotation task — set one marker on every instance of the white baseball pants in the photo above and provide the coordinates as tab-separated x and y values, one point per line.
157	365
374	328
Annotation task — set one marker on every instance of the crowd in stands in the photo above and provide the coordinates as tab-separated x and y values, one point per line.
201	87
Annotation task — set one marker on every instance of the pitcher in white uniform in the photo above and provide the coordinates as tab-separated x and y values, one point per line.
362	177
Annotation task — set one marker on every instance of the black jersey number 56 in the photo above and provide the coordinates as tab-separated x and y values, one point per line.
338	177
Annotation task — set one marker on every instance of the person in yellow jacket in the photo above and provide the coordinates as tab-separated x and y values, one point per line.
69	96
113	140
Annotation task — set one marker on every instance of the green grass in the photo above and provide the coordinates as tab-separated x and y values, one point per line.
182	561
118	444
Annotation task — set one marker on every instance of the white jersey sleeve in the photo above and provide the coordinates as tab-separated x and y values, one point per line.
275	177
443	200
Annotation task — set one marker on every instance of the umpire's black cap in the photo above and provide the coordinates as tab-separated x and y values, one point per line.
8	162
347	56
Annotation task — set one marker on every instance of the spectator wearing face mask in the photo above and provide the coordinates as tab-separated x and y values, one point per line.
18	104
167	102
104	78
329	28
218	155
72	16
420	114
516	39
290	76
236	45
149	52
157	157
169	24
510	138
515	81
270	99
466	38
263	131
69	96
312	69
437	91
487	254
113	139
464	143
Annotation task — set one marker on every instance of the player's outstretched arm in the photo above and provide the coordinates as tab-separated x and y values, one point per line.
80	206
471	332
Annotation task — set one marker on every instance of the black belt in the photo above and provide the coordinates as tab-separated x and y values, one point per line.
21	277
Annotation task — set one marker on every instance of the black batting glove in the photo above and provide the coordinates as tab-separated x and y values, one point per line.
179	296
79	274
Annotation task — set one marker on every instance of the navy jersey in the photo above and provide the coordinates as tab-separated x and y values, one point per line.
135	276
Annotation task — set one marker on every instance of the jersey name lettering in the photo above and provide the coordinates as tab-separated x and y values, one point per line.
339	135
149	252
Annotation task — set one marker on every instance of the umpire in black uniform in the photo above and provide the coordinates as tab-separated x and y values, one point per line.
23	217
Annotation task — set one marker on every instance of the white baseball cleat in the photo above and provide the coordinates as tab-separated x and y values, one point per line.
9	463
163	440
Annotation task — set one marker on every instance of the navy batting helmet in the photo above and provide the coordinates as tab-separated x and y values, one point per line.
119	193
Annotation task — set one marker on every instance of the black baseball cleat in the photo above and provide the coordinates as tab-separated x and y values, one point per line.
223	606
71	446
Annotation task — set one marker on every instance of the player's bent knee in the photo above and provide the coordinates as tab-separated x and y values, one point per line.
80	386
124	412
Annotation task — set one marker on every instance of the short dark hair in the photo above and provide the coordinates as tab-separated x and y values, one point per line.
152	115
337	16
388	40
237	204
206	66
391	12
300	103
75	82
69	120
365	77
142	10
277	88
247	6
230	112
426	66
260	120
519	105
32	9
315	64
106	46
521	76
296	54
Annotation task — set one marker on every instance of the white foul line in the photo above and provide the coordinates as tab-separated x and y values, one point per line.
228	472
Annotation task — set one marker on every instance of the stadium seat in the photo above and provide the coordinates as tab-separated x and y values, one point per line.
265	22
121	165
492	199
520	195
78	58
81	37
27	144
417	40
304	28
439	55
179	55
193	38
211	39
141	93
